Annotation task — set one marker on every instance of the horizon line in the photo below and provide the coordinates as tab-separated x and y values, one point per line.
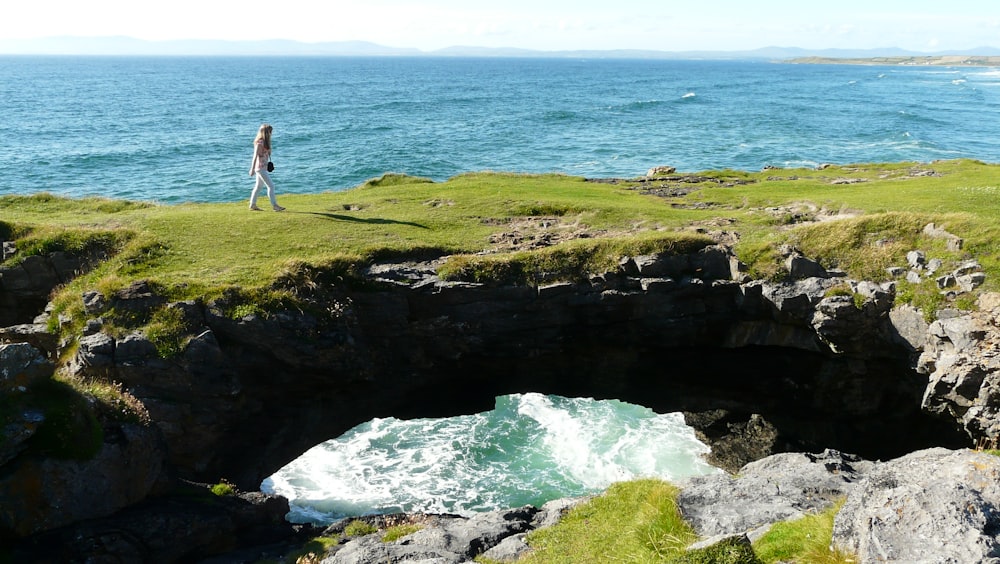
119	45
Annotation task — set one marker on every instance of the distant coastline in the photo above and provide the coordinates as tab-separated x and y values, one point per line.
130	46
942	60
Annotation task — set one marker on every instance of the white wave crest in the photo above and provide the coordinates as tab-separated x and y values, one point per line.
529	444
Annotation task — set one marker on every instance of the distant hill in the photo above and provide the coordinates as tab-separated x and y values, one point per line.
279	47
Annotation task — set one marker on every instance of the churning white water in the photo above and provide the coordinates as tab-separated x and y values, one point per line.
529	449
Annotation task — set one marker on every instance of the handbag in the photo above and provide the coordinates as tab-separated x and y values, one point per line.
270	166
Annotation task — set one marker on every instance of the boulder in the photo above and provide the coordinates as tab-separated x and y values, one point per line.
21	366
661	170
735	441
656	266
553	511
800	267
7	250
909	326
134	348
448	541
510	549
777	488
41	494
139	296
40	272
94	302
916	259
95	351
797	299
848	328
953	242
712	263
34	334
935	505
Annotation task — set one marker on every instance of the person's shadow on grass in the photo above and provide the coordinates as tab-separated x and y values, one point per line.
372	221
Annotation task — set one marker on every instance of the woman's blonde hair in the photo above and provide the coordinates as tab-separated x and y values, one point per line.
264	134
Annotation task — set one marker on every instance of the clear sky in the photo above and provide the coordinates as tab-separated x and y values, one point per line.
665	25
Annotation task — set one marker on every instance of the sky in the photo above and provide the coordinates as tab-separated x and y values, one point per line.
548	25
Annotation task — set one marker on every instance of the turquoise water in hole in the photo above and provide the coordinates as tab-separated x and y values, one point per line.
530	449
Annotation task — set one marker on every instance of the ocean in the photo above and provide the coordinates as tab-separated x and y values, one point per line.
179	129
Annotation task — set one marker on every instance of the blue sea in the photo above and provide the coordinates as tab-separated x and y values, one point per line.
173	130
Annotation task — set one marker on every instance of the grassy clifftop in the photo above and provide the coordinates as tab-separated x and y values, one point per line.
859	218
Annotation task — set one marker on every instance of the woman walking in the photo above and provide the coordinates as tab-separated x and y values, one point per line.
261	158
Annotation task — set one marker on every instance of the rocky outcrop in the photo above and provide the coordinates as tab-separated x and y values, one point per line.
930	506
21	367
778	488
51	486
43	493
961	359
25	288
189	525
445	539
935	505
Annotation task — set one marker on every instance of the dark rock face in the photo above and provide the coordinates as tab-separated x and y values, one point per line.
186	527
45	493
25	288
249	395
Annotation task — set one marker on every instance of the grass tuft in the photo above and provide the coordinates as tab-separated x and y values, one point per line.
634	521
399	531
223	489
314	551
806	541
359	528
395	179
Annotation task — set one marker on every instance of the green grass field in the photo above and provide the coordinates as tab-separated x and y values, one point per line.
203	247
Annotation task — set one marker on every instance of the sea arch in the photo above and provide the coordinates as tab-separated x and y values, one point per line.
250	395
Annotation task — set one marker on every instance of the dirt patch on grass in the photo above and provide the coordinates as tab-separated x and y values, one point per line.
674	186
528	233
720	229
800	213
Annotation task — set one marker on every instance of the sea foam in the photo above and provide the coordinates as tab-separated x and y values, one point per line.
528	450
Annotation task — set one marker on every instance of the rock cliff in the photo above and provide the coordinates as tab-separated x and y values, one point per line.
818	361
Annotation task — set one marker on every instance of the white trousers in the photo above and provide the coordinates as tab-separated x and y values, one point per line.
263	179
